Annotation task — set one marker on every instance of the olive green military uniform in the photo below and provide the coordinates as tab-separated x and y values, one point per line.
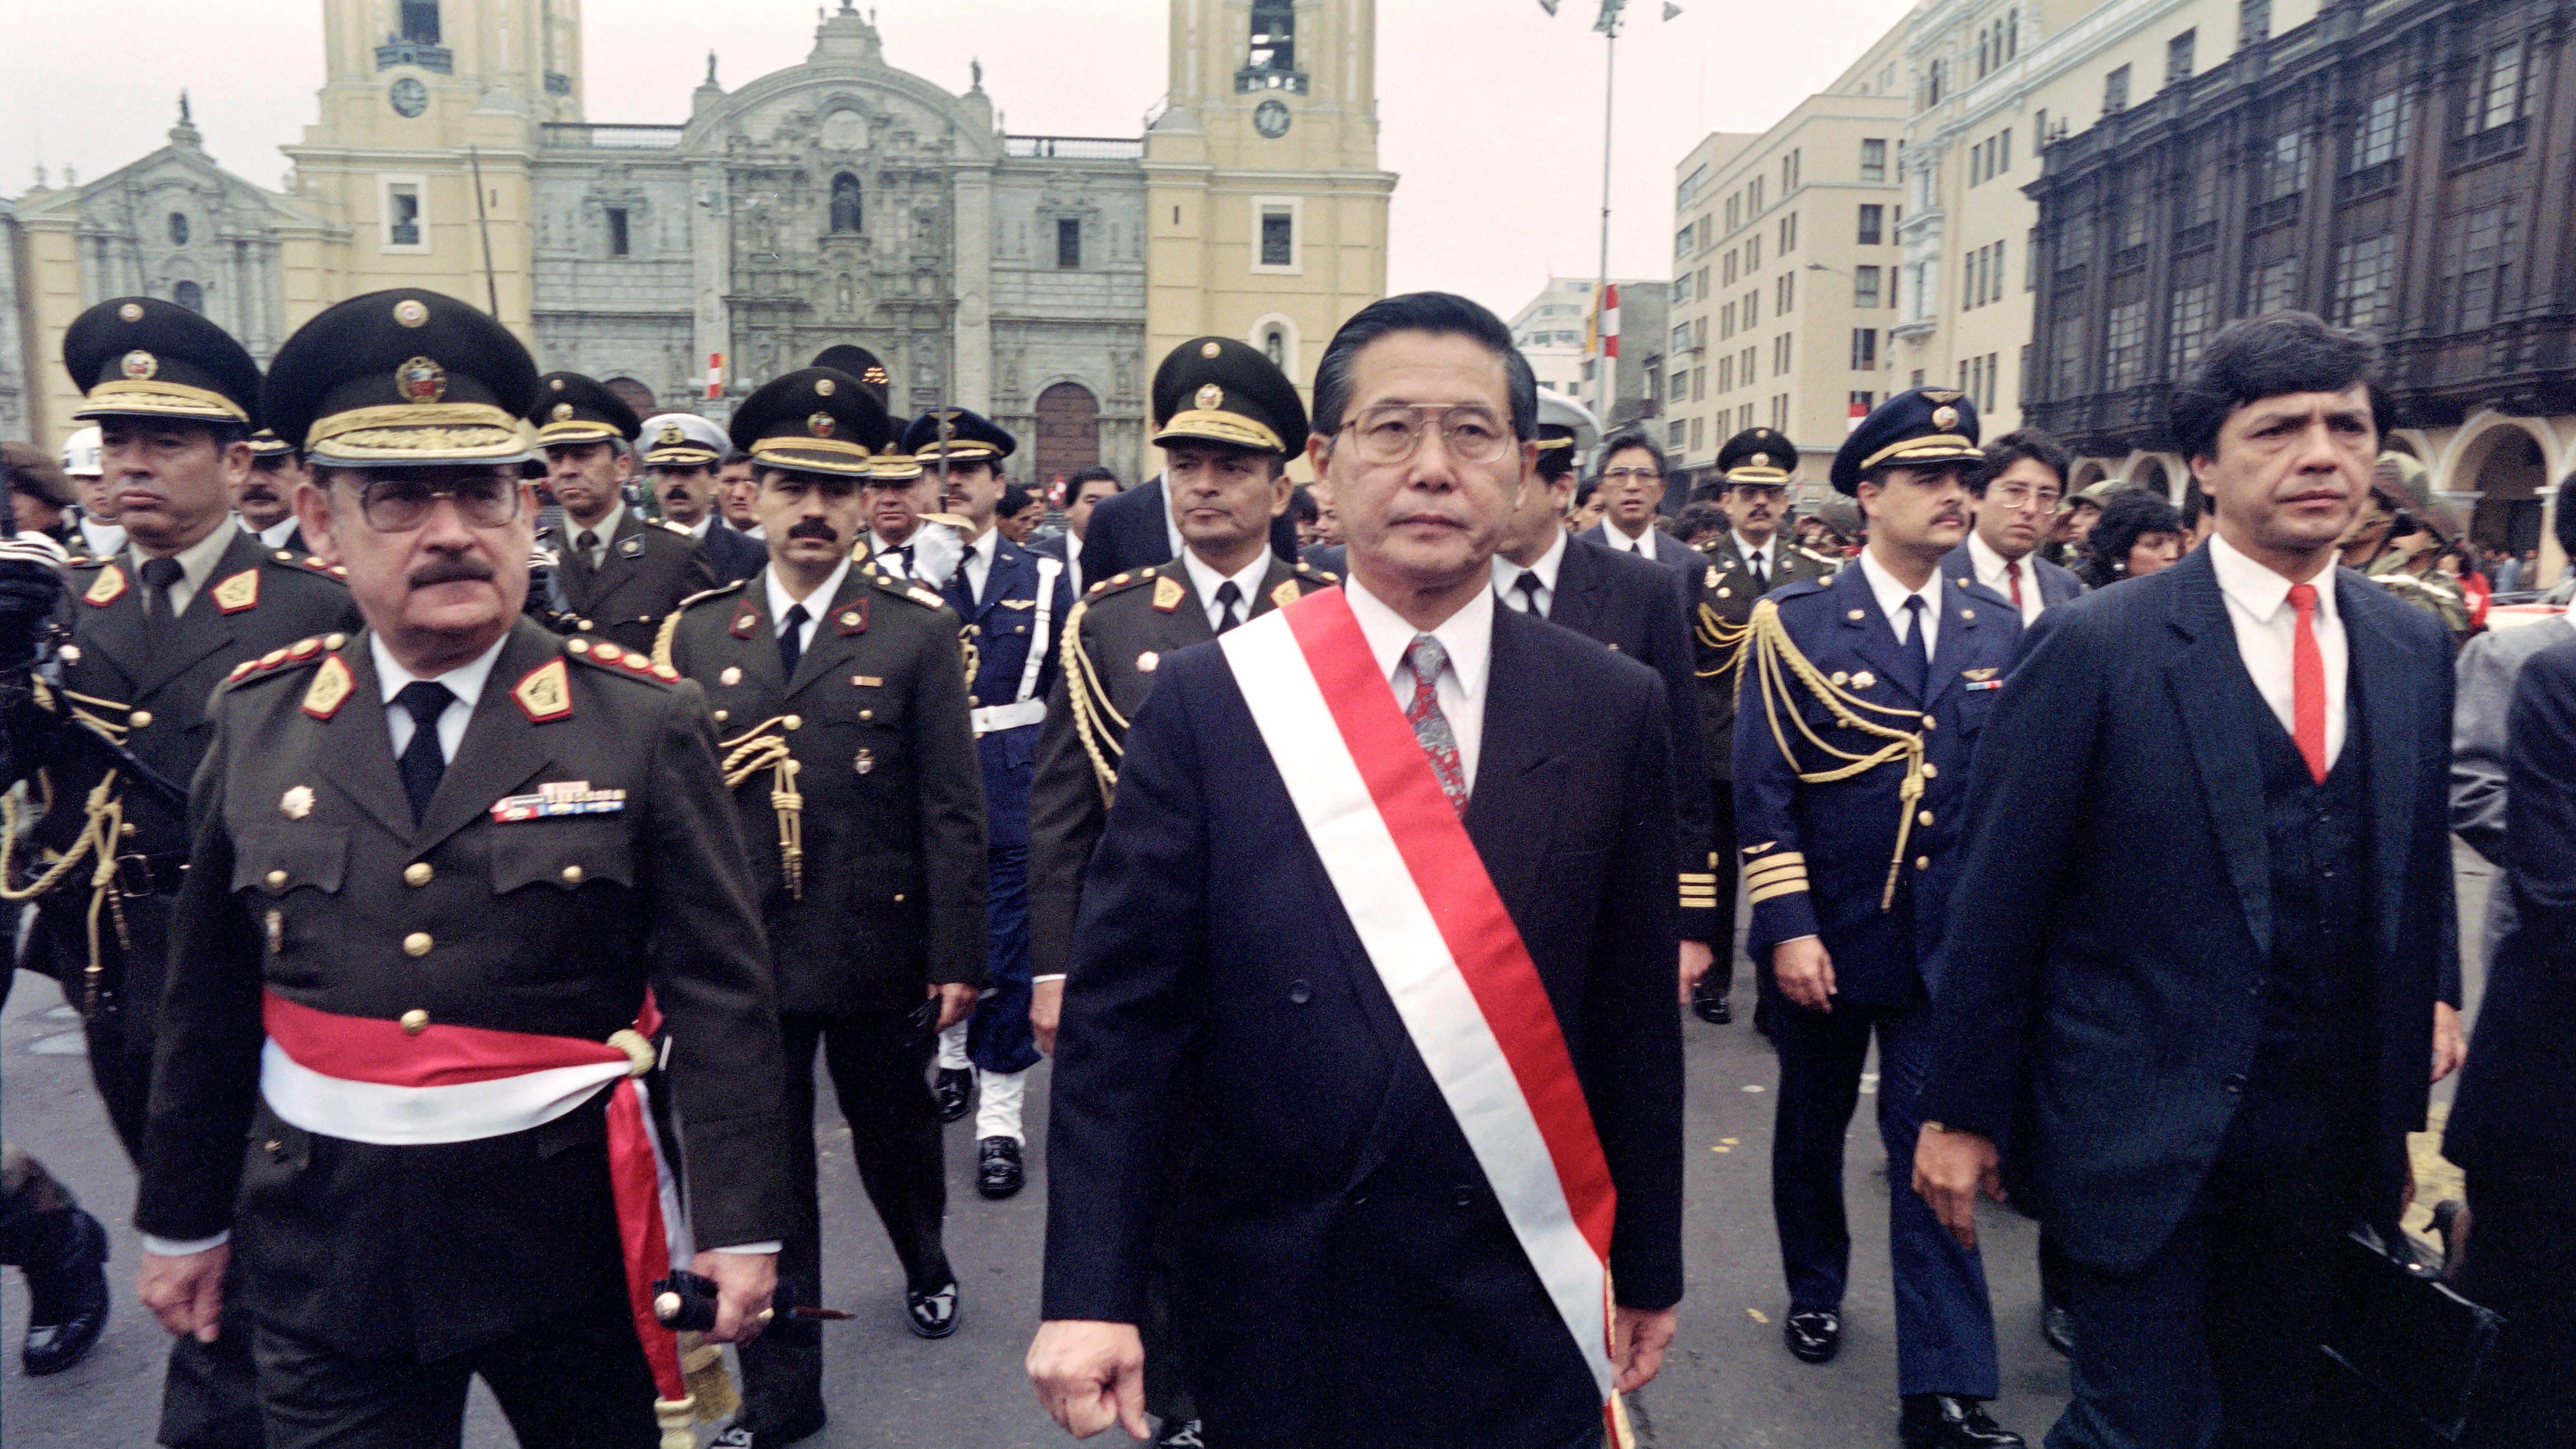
2432	590
645	570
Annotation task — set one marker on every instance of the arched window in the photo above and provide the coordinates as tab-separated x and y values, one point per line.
846	211
178	228
1274	343
190	296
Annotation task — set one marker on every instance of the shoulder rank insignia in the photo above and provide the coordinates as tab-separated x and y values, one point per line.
852	620
681	529
631	546
237	593
1284	595
106	589
746	620
1168	594
924	597
330	688
546	693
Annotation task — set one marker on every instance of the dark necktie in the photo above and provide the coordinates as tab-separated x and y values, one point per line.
423	762
158	575
588	543
903	553
1227	597
1918	648
1761	575
791	640
1527	586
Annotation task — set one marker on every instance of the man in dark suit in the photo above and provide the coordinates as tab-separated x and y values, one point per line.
617	576
1866	700
453	843
2201	1017
1632	487
1083	492
840	705
2018	489
1136	528
682	456
1348	1268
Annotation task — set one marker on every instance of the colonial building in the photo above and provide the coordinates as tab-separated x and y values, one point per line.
1035	278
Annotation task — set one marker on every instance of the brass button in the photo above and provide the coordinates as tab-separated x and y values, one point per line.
129	830
898	898
866	715
974	703
416	944
276	880
415	1021
572	875
1930	723
1922	862
793	722
1924	818
417	873
141	719
722	715
272	1145
1931	771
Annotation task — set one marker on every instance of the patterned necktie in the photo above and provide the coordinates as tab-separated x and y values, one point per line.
1527	586
423	761
1430	726
791	640
2308	683
1227	597
158	575
903	556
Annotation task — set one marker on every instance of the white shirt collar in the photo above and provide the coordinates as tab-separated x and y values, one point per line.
1507	573
1768	551
606	527
465	681
197	561
1467	636
780	601
1990	565
276	534
1207	580
102	537
1892	593
704	524
2259	591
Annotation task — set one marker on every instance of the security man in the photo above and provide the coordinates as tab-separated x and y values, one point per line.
840	710
1750	559
617	576
2400	534
453	843
1015	604
683	453
266	498
1851	761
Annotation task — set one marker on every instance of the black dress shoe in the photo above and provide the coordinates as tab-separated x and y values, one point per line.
952	1089
1947	1421
932	1314
743	1437
997	1172
1180	1434
1709	1004
1814	1335
67	1297
2058	1327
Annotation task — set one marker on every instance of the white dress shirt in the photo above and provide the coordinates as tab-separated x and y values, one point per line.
1468	638
1507	575
780	601
1207	580
606	528
1892	594
1073	561
276	534
1645	543
979	562
465	681
1992	568
196	564
698	530
1766	552
2267	631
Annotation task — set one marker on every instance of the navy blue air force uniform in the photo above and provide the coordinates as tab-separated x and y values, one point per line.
1867	866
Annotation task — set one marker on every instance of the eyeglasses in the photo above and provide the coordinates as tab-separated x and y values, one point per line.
400	505
1623	475
2022	495
1763	492
1393	432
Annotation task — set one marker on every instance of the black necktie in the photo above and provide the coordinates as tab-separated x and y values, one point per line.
791	641
1918	646
588	543
158	575
1527	585
1227	596
423	762
1761	575
904	552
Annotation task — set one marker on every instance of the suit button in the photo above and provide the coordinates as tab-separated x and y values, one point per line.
415	1021
1929	722
416	944
1466	1197
898	898
2236	1083
572	875
140	719
792	722
722	715
1922	862
276	880
1923	818
1931	771
1299	993
417	873
867	715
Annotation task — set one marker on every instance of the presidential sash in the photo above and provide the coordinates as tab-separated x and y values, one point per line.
1442	943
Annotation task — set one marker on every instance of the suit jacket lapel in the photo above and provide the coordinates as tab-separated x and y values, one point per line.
2387	706
1960	617
1508	823
763	643
116	640
830	645
1271	578
357	754
1578	589
502	749
2205	678
615	568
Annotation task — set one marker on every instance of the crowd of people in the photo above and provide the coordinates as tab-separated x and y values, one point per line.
463	812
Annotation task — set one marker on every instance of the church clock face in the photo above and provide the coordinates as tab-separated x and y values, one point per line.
409	96
1270	118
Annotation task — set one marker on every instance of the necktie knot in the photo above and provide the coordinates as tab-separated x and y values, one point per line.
1527	586
161	573
2303	597
1428	659
426	700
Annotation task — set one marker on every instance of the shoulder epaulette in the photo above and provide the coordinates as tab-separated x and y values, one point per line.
1116	583
702	595
1823	558
1797	589
277	662
306	563
682	529
906	589
618	659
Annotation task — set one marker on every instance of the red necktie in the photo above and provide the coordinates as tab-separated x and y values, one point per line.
2308	684
2012	577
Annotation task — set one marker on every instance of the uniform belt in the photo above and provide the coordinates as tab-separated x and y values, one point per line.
993	717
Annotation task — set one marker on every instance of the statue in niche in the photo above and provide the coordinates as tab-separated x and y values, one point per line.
846	296
925	364
1125	371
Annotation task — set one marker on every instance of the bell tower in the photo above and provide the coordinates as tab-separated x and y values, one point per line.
1265	207
419	97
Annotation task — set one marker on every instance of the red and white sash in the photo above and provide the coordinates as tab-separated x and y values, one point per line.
1444	946
365	1079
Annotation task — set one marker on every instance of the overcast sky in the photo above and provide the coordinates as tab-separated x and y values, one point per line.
1490	109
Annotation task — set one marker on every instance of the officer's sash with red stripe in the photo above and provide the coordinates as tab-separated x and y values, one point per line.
364	1079
1445	948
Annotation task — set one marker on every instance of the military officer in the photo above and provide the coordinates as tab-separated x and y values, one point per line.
2399	535
683	454
1851	760
453	842
265	500
1014	603
1753	557
840	709
617	575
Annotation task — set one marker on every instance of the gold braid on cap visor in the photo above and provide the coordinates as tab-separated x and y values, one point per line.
813	455
896	467
686	455
577	430
419	433
1750	474
1217	427
1937	447
156	398
1544	444
958	450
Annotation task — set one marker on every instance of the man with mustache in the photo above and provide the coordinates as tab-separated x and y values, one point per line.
616	576
1866	699
265	499
1327	818
841	709
451	878
682	455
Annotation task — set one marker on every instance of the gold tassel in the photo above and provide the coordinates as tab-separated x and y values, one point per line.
764	747
1093	715
710	1385
677	1418
1776	658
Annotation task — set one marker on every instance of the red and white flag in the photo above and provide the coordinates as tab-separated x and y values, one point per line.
1610	319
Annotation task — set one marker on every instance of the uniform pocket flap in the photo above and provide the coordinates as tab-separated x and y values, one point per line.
282	858
566	854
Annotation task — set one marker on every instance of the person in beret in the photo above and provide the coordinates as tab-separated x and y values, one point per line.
444	837
265	501
1142	525
1865	699
841	707
617	575
683	456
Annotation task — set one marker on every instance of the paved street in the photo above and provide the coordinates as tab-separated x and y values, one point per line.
1729	1386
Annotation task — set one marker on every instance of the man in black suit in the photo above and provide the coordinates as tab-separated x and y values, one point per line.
1348	1268
1083	492
2204	1014
2018	489
683	454
1632	487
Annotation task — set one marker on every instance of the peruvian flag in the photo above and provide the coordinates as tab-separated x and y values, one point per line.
1610	319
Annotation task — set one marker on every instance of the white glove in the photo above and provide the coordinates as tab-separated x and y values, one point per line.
937	550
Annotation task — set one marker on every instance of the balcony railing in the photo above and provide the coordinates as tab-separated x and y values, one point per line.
2490	143
605	135
2275	212
437	58
2367	182
1074	148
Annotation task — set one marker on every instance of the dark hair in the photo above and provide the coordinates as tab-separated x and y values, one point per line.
1302	507
1441	314
1585	488
1700	518
733	456
1093	474
2127	516
32	472
2563	522
1015	496
2012	448
2267	356
2195	505
1625	439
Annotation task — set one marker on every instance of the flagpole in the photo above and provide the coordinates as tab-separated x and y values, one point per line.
1607	381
